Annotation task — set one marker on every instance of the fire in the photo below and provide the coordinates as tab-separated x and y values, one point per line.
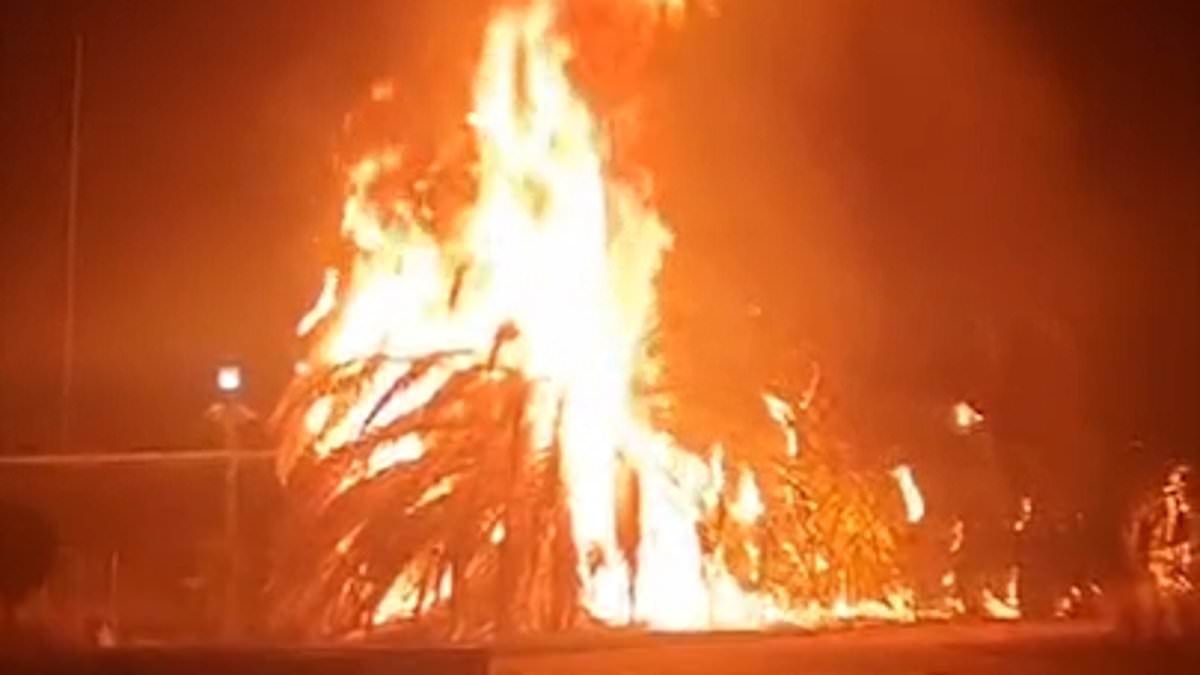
748	506
405	598
914	503
1002	609
555	247
781	411
542	285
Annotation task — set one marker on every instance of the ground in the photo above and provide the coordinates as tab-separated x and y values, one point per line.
981	649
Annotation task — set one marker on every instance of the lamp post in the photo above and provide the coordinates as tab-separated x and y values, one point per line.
229	384
68	336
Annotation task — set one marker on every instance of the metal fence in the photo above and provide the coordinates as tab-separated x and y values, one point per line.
164	545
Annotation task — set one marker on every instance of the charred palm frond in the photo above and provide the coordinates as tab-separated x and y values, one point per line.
468	539
823	536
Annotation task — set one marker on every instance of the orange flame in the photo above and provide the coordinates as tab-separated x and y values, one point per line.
914	503
748	505
781	411
559	251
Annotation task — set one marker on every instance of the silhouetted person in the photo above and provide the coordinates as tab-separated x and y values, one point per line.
1160	539
1038	553
28	542
231	425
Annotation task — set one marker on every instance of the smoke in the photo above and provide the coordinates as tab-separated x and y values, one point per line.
908	193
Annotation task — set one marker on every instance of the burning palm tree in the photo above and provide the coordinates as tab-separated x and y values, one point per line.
469	446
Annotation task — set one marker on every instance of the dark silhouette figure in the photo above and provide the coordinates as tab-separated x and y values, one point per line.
28	542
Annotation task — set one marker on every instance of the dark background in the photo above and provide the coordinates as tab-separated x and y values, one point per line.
936	199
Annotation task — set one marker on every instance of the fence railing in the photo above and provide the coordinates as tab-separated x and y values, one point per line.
167	544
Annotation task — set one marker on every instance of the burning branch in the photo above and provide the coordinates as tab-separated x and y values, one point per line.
427	540
467	451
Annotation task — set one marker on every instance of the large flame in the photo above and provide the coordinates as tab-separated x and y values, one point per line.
549	271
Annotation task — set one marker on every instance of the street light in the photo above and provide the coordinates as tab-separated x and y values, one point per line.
966	417
229	379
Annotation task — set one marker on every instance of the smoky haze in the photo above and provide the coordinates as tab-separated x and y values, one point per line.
936	200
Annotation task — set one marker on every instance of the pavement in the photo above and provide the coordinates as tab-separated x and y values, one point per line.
938	649
945	649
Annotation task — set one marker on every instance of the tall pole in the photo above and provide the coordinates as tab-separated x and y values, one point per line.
68	346
232	622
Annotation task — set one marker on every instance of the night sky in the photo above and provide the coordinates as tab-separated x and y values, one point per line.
935	199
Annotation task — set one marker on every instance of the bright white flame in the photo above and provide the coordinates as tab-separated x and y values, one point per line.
781	411
498	534
407	448
914	503
405	599
747	507
324	305
997	608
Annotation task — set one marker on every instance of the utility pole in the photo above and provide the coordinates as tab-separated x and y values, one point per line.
68	345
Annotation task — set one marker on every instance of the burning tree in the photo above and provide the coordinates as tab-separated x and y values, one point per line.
469	443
